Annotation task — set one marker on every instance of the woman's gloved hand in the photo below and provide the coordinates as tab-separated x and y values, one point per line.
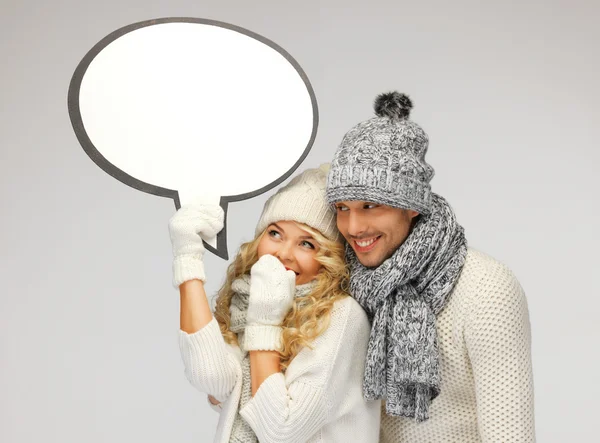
188	227
272	290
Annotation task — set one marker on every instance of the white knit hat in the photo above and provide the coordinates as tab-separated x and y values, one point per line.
302	200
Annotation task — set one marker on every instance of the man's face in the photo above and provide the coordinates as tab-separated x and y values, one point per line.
374	231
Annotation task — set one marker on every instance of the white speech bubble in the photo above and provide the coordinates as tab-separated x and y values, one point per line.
193	109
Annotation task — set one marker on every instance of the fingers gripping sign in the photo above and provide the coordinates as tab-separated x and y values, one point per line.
193	109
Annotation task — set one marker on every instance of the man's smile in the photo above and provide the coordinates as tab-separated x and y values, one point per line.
365	245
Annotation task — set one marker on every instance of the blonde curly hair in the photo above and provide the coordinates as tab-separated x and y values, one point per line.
310	314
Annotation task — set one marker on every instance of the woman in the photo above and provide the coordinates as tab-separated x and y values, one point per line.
282	357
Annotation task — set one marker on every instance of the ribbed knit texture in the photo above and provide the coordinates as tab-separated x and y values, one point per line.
319	399
302	200
485	364
241	431
291	417
188	268
217	378
266	337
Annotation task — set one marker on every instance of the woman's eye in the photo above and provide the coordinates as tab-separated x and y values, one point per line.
307	244
274	233
341	208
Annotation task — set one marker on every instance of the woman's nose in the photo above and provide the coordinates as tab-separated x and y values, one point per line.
284	252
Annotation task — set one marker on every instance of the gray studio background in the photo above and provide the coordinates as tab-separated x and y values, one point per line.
507	92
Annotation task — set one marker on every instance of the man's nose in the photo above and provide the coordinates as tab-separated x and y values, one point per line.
356	224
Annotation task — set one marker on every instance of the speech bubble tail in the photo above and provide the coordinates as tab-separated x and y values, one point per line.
217	245
212	242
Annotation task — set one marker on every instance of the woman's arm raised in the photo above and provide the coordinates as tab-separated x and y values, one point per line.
208	364
194	311
187	229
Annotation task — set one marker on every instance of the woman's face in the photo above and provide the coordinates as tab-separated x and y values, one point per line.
295	248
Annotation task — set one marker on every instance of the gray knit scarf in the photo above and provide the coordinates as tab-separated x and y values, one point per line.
402	297
242	432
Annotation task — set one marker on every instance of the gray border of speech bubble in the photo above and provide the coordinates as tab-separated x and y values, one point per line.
109	168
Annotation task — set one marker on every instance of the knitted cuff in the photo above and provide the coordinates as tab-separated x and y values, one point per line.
188	267
262	338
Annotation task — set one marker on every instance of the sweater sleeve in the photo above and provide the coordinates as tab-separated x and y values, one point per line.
498	339
294	407
280	413
209	365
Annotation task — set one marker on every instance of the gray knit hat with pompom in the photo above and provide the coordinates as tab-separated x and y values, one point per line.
382	160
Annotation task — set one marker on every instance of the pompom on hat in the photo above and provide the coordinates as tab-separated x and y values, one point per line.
302	200
382	160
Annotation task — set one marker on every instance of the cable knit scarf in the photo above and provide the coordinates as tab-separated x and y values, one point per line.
242	432
402	298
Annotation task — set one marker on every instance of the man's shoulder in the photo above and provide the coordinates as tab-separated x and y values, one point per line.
483	276
479	265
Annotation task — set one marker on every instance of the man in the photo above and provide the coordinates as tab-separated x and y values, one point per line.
449	351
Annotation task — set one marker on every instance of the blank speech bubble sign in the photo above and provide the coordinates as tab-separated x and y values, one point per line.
193	109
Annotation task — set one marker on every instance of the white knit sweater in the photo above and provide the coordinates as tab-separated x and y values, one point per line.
485	359
319	399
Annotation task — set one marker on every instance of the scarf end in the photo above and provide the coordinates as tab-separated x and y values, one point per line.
412	401
371	392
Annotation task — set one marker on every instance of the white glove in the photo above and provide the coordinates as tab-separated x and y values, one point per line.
272	291
187	228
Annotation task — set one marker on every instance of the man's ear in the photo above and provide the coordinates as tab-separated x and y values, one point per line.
412	214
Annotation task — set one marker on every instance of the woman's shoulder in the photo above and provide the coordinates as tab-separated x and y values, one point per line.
347	334
348	306
347	312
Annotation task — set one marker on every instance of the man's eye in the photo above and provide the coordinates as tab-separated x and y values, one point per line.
370	206
341	208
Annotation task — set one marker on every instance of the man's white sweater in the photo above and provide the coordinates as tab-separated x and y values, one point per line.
485	362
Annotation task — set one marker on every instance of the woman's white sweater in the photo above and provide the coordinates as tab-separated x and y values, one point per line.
318	399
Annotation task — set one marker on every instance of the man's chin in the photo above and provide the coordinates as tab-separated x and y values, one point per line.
369	259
